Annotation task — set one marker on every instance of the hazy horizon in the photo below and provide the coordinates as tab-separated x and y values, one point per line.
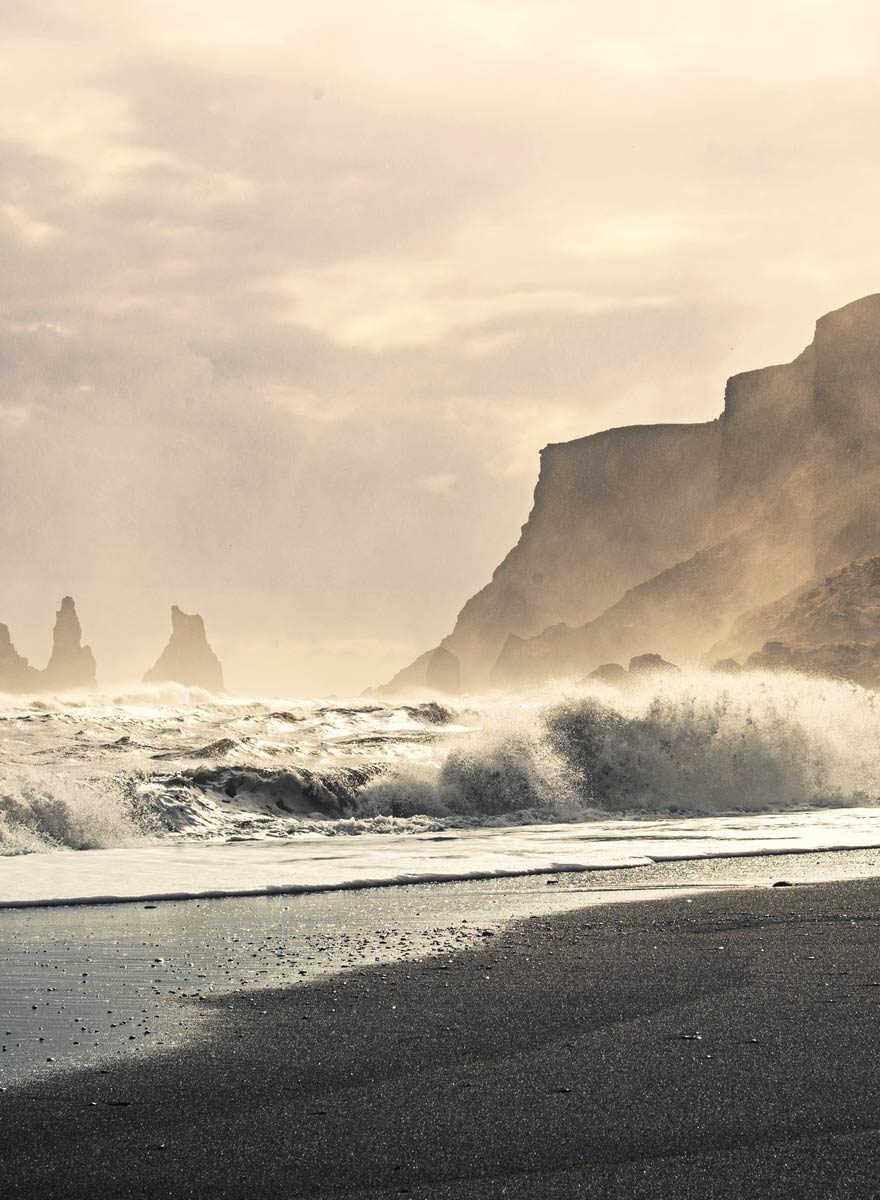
292	297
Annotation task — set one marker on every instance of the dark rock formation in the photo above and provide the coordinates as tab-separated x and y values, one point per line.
71	665
663	535
690	604
829	626
727	666
641	666
841	607
188	658
611	673
650	665
858	662
610	511
15	674
443	673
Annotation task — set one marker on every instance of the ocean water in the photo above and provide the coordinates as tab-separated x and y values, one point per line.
168	791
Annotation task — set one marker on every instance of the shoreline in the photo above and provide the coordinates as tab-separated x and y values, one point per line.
164	871
717	1043
79	984
283	890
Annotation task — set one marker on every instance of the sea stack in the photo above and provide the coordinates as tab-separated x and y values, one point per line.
188	658
71	665
15	673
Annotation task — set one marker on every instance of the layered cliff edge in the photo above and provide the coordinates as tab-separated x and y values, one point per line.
610	510
656	538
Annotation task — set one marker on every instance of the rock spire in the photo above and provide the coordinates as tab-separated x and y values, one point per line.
188	658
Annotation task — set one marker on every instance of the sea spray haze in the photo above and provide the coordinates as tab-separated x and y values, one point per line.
171	763
657	537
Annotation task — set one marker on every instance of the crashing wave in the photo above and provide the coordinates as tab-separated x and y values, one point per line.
84	773
694	746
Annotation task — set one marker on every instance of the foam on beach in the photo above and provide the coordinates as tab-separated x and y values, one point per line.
312	863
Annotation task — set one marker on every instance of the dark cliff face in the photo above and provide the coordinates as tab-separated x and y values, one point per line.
681	609
610	511
856	662
767	453
847	414
443	672
656	538
188	658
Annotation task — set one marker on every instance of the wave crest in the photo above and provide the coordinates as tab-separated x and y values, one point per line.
46	811
695	746
81	776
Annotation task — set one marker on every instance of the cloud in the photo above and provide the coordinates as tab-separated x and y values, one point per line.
441	484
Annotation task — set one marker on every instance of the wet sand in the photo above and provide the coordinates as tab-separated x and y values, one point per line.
510	1038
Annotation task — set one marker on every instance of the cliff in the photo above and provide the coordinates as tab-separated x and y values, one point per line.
685	607
656	538
188	658
846	411
610	511
843	606
856	662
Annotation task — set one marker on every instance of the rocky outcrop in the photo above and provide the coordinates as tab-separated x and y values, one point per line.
443	672
612	674
610	511
648	666
188	658
15	673
641	667
841	607
688	606
660	536
857	662
71	665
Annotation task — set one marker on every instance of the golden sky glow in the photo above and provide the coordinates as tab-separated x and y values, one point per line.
292	294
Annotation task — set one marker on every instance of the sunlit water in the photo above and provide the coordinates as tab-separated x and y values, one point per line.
187	794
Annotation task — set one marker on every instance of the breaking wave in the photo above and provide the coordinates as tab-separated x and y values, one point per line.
694	746
86	773
42	810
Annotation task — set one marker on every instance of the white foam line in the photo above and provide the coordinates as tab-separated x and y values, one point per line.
412	878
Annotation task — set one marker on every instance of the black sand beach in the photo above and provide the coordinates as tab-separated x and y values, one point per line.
719	1044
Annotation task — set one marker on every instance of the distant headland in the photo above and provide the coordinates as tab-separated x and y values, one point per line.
187	659
676	538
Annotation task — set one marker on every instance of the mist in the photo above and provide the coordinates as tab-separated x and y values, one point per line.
287	316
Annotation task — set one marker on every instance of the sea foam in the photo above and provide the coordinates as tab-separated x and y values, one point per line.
86	772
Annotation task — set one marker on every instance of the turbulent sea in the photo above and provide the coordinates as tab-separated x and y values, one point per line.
188	794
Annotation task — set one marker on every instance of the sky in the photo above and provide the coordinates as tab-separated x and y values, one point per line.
292	294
